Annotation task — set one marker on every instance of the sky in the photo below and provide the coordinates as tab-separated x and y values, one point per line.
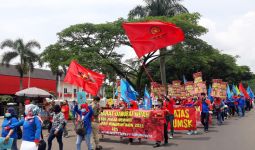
231	23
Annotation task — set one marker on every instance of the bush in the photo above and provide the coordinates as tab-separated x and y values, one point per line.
6	99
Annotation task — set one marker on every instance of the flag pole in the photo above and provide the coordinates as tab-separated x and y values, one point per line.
28	78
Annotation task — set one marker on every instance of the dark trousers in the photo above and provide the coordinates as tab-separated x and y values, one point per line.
219	117
59	139
165	132
50	125
205	120
248	105
171	120
232	110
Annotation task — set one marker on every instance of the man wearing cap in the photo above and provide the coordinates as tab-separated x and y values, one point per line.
95	122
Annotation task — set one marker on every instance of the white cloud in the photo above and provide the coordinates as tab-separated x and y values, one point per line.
237	38
42	19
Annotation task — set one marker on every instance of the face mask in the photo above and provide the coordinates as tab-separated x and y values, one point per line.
7	115
83	110
29	113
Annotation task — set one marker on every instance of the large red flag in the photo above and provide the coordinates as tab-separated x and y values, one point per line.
146	37
89	80
242	89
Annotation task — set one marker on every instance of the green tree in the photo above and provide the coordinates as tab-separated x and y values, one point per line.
167	8
94	46
213	64
56	59
22	51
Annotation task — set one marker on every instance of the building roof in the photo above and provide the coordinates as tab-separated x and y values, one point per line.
37	73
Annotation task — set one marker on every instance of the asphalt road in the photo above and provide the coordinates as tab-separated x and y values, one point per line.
235	134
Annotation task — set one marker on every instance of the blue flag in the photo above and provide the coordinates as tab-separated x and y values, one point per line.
209	93
128	93
147	100
229	93
184	79
249	91
234	89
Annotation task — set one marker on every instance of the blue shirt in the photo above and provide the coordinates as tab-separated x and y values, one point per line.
9	122
241	102
87	118
205	107
31	129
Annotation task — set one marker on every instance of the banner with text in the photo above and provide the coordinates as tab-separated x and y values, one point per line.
199	84
133	123
185	118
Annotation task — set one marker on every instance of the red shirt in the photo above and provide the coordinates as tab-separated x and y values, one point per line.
169	106
65	111
135	106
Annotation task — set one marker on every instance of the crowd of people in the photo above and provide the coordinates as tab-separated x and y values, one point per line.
86	119
32	123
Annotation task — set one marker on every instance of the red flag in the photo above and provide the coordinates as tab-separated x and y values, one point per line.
89	80
241	88
146	37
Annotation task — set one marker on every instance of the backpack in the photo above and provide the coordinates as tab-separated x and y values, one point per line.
80	129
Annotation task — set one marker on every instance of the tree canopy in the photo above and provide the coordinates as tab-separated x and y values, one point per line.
94	46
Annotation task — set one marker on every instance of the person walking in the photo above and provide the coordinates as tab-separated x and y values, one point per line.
95	122
168	106
241	106
85	114
65	111
10	118
160	107
205	103
218	107
32	127
57	128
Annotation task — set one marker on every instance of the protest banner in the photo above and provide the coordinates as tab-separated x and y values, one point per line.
157	89
170	90
199	84
223	93
189	88
216	87
133	123
219	88
176	89
81	97
185	118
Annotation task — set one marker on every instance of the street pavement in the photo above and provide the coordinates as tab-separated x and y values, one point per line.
235	134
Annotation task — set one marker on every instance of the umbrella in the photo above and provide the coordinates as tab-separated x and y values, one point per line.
33	92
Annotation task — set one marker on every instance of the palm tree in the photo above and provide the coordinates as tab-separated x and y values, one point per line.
158	8
55	56
22	51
